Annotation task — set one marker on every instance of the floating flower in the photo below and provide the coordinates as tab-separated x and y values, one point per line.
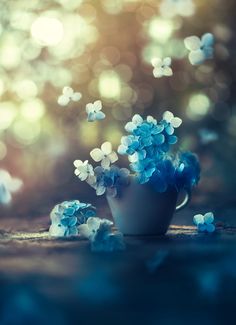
106	155
200	49
84	170
204	222
162	67
171	8
207	136
66	217
94	111
99	232
8	185
68	94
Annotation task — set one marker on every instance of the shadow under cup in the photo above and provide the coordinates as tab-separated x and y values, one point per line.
140	210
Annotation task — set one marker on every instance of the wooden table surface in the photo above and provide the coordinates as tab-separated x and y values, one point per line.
181	278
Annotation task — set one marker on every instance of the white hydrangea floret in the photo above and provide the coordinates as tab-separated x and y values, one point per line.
105	155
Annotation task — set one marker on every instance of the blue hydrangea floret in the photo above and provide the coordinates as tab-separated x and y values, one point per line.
204	223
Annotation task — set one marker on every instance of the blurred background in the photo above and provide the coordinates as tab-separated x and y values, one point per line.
103	49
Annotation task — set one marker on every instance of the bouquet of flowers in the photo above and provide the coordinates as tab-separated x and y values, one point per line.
148	147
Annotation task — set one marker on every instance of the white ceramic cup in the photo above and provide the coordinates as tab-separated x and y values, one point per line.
140	210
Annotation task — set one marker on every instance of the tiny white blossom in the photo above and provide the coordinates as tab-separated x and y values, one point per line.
68	94
105	155
170	118
94	111
161	67
84	170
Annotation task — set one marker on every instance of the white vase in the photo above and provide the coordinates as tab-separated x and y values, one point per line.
140	210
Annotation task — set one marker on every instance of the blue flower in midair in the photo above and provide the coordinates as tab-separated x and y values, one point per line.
200	49
204	223
66	217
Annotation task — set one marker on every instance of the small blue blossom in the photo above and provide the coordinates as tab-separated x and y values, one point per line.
188	171
94	111
102	238
144	169
163	177
129	145
200	49
204	222
66	217
110	181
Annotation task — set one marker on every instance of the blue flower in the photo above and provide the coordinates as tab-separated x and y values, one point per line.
163	176
204	222
110	180
99	232
66	216
200	49
144	169
129	145
188	171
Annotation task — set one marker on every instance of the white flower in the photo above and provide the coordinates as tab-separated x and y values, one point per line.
8	185
136	121
84	171
68	94
170	118
200	49
162	67
105	155
94	111
171	8
99	232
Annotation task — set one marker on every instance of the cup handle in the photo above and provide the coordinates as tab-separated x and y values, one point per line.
186	200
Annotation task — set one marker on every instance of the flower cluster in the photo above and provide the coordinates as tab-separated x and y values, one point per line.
200	49
100	234
148	143
8	185
66	217
204	223
147	147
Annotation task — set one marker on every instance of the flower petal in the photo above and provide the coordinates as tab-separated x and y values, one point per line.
192	43
106	147
67	91
156	62
176	122
113	157
168	116
97	154
208	217
76	97
97	105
